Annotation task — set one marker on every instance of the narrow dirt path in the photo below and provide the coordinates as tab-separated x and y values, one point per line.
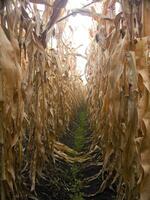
72	180
76	140
79	140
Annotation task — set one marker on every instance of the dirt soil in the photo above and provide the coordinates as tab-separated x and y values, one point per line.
80	140
68	182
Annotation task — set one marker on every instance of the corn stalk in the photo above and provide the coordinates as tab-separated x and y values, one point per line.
117	94
41	97
2	191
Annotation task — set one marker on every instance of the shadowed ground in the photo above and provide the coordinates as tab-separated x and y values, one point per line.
69	181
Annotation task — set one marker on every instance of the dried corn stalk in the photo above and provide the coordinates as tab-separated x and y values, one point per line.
118	98
37	97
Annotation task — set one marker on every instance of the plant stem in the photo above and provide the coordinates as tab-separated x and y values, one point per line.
2	192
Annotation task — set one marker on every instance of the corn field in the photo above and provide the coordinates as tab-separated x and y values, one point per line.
42	96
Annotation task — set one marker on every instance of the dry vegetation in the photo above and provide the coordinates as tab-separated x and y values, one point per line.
38	97
40	93
119	97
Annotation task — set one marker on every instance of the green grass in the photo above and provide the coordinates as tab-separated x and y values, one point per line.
79	139
76	193
79	136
